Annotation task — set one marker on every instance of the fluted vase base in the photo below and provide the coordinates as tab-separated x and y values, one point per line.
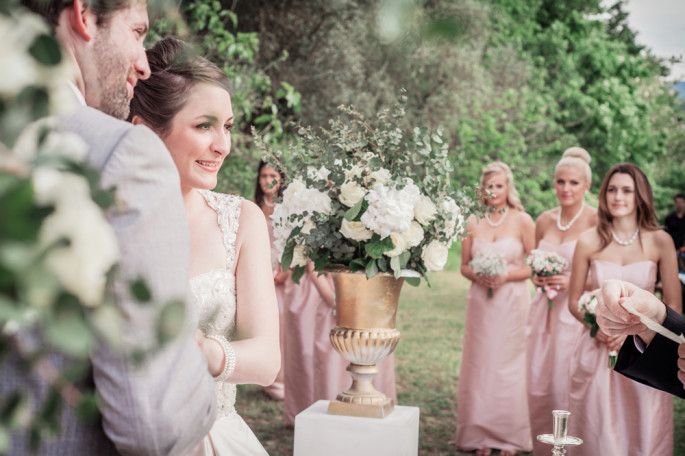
362	399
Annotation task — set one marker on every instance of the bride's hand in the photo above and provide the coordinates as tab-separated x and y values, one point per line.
212	350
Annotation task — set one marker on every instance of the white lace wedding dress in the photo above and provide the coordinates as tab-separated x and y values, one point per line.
215	300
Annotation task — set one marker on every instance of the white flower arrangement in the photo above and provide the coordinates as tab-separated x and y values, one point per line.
546	264
377	199
588	305
489	264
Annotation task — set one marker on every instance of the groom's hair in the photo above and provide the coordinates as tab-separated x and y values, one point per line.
51	9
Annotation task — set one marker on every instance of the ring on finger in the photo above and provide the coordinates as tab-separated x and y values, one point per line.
558	287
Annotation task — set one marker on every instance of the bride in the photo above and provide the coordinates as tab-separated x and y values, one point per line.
187	103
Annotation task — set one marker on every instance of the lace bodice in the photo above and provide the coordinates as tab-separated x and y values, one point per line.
214	291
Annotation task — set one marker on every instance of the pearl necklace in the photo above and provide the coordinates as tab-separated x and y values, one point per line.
629	241
268	203
573	220
501	220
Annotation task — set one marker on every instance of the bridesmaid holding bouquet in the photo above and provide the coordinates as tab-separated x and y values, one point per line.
553	330
616	415
492	411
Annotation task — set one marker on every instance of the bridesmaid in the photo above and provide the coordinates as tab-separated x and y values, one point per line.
492	411
553	331
267	190
615	415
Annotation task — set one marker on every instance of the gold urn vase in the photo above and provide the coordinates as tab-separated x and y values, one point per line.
364	335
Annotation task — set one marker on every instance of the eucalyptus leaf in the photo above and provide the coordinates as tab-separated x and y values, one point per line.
170	321
46	50
376	246
297	274
140	290
371	269
413	281
395	266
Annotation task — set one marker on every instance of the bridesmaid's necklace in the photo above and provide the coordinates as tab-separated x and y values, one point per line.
629	241
268	202
573	220
500	221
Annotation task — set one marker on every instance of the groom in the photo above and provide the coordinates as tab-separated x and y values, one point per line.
167	405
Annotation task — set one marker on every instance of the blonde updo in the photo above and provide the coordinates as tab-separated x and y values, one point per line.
513	199
576	157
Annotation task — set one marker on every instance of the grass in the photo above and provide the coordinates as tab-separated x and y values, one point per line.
427	359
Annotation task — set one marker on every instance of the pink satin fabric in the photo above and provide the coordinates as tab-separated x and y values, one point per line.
552	335
492	410
277	389
611	413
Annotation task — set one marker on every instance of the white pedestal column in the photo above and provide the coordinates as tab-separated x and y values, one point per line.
317	433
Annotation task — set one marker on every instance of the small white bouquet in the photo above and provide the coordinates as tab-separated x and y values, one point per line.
488	263
588	304
546	264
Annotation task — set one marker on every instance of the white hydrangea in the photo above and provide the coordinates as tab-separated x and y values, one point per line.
81	266
355	231
350	193
425	210
295	187
434	256
390	210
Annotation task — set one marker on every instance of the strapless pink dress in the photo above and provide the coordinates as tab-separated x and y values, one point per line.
552	335
611	413
492	410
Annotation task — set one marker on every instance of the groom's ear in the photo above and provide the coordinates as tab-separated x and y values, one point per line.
82	19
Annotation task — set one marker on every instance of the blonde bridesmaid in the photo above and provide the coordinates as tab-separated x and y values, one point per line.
553	329
492	410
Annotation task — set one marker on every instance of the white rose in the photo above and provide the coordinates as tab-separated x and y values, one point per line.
434	256
350	193
320	174
355	231
295	187
414	235
380	176
400	245
82	265
425	210
299	258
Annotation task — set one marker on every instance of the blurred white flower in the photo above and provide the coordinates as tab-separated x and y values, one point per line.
454	219
355	231
400	245
390	210
354	171
434	256
82	265
425	210
350	193
320	174
307	227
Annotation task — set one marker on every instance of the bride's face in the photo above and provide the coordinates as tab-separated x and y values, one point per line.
570	185
200	136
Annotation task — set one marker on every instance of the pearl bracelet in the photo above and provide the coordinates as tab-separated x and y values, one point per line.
229	358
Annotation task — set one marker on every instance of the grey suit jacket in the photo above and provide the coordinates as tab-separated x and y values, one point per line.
167	405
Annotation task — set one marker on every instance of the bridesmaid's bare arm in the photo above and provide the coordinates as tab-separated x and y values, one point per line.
579	272
668	270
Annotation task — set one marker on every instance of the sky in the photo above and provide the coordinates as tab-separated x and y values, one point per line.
660	25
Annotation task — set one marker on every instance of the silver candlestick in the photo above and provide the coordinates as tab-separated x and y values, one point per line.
560	439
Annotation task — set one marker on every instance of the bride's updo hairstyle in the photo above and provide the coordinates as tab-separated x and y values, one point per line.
576	157
175	69
513	199
644	202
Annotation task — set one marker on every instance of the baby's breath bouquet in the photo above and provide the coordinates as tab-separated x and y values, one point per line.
488	263
368	196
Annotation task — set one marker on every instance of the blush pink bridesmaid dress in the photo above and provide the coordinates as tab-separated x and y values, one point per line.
552	335
492	410
611	413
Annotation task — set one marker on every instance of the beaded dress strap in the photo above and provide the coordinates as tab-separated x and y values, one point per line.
227	208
